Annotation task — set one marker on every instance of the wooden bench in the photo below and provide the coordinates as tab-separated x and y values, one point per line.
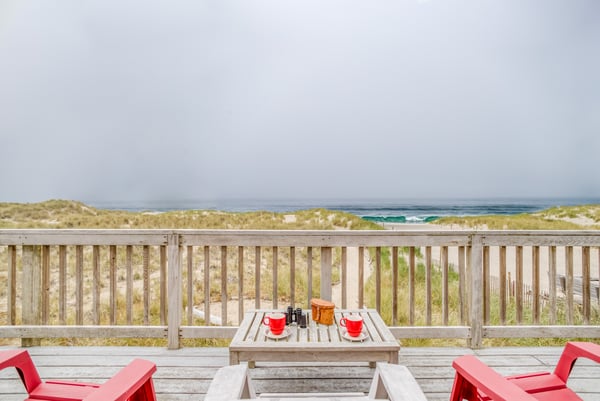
392	382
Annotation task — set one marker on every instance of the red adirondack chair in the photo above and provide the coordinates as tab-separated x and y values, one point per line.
132	383
475	381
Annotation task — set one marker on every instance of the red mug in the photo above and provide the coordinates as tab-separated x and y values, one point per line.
276	322
353	324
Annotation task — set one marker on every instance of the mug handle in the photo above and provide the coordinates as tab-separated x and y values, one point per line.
343	322
266	320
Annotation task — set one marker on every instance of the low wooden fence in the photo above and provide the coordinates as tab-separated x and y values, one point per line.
167	283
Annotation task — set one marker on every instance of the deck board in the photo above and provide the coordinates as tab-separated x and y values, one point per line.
185	374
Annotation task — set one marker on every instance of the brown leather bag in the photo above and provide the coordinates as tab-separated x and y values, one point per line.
322	311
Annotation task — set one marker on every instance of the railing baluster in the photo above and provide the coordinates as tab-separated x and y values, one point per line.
240	284
361	277
96	284
174	281
411	285
519	278
293	276
257	264
502	267
428	289
309	273
79	284
585	283
552	282
326	259
445	300
62	284
569	283
476	304
129	284
31	300
190	284
535	264
344	273
45	283
275	279
163	285
394	285
462	291
378	278
12	285
207	285
146	269
224	296
486	285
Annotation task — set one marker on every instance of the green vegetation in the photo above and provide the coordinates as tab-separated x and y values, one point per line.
71	214
558	218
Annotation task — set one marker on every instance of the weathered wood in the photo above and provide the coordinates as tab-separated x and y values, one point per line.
535	264
187	373
344	278
326	260
395	286
257	263
62	284
207	284
190	284
476	304
129	285
32	287
486	284
175	298
428	287
411	285
45	284
552	282
146	283
113	284
92	297
361	276
274	296
321	343
96	282
12	285
502	274
224	297
79	284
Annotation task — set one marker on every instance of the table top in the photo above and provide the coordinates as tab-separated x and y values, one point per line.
254	334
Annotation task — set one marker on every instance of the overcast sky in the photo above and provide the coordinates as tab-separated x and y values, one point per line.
153	100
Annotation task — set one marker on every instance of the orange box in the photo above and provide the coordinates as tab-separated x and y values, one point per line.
322	311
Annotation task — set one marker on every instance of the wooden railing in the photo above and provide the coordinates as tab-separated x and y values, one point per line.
167	283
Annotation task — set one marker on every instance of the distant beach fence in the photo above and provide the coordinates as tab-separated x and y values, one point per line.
463	284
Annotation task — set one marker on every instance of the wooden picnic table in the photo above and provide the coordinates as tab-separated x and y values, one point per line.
316	342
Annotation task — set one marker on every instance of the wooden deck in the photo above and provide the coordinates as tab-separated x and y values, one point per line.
185	374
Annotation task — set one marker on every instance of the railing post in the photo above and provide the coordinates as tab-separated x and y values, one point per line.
174	295
32	290
326	273
476	292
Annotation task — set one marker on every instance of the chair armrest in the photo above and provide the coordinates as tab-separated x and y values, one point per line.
487	380
572	351
396	383
21	360
231	383
137	376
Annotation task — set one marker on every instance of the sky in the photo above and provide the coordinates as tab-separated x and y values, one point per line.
105	100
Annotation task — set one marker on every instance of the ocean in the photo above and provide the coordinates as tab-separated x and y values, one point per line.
380	210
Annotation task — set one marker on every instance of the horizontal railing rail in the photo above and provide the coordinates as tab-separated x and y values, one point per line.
179	284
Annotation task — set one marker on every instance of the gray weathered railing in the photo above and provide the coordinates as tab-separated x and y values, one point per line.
166	283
